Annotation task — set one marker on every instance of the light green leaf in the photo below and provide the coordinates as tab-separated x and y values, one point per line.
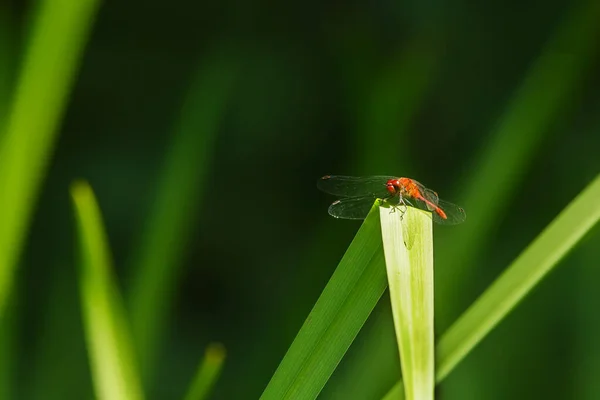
408	247
56	41
208	373
111	354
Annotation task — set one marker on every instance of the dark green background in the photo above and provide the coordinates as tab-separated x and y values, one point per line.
407	88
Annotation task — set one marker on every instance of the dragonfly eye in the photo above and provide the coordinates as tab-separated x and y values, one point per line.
391	188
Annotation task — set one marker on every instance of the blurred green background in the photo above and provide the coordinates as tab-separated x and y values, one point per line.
203	127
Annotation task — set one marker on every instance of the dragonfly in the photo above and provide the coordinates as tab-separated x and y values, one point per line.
358	194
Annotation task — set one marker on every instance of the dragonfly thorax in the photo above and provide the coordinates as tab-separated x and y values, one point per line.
396	186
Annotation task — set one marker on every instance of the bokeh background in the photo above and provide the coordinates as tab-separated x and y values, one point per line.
203	127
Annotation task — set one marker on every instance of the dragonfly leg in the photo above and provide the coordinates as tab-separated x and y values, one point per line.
403	205
400	205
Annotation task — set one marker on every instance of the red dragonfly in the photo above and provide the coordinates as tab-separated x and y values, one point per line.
359	193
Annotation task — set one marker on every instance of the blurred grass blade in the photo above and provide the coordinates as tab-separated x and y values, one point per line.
208	373
520	278
548	89
54	48
8	53
111	354
540	257
342	309
408	248
386	111
157	261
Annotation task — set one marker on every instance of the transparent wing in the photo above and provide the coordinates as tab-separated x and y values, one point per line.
420	204
430	196
443	212
352	207
454	214
354	186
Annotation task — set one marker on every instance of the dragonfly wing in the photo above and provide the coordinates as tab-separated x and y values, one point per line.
454	214
352	207
420	204
430	195
354	186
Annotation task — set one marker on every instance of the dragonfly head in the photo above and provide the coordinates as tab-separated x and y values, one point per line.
393	186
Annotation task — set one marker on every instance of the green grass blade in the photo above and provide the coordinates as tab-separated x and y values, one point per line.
396	393
8	40
157	262
540	257
408	248
54	49
8	57
342	309
111	354
208	373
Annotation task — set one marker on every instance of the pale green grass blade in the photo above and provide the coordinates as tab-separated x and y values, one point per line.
340	312
157	262
408	247
110	348
57	38
538	259
208	373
